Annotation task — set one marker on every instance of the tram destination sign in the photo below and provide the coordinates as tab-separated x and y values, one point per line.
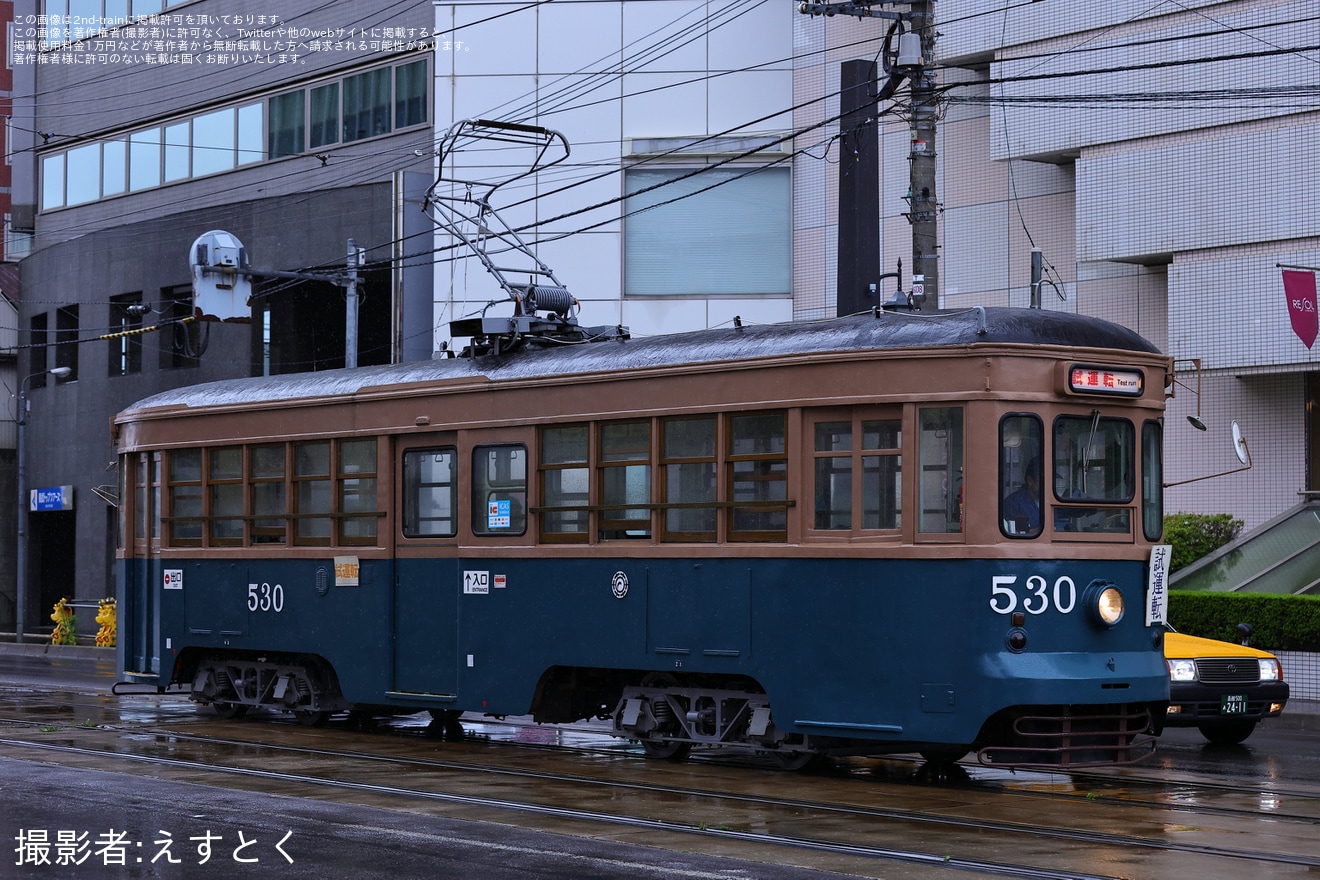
52	498
1089	379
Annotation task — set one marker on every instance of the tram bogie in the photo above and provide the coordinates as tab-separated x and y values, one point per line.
862	536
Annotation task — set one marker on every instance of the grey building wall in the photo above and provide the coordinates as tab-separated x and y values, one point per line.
291	214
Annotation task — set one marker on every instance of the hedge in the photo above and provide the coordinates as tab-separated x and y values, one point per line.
1194	535
1279	622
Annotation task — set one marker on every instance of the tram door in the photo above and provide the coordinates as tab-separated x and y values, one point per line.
426	583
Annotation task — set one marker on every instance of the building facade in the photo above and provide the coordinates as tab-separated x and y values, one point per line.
1159	159
296	129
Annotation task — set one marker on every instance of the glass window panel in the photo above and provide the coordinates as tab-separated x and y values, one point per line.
499	490
186	465
113	167
367	104
1152	481
83	174
227	512
882	434
689	438
882	492
939	466
410	94
268	462
833	436
213	142
732	226
324	115
144	159
1021	494
269	498
176	151
625	442
250	119
52	181
226	464
564	445
566	487
311	460
760	481
287	125
689	483
1093	459
186	496
430	493
357	456
833	491
756	435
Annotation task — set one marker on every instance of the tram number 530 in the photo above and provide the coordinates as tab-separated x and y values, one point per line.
1036	594
265	597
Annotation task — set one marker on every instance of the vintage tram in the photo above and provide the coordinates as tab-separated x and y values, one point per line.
898	531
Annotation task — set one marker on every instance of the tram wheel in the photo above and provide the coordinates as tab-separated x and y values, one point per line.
229	710
795	762
451	729
943	756
310	717
666	749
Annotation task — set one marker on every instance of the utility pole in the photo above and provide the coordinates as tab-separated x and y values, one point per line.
356	257
908	53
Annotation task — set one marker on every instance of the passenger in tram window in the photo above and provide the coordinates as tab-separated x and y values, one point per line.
1022	508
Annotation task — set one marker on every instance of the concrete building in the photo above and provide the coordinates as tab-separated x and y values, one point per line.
1160	157
295	127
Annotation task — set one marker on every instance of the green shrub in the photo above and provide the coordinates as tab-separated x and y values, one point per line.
1193	535
1279	623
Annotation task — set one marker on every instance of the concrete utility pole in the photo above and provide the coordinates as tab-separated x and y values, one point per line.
909	52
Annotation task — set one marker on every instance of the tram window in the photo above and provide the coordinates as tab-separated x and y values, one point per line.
840	461
185	494
940	462
224	482
688	465
1152	481
625	478
758	478
356	488
270	509
1094	463
430	493
565	490
499	490
834	475
1021	496
311	492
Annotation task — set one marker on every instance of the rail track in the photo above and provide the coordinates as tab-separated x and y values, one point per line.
873	817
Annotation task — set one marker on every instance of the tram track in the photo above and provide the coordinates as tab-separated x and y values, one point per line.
682	802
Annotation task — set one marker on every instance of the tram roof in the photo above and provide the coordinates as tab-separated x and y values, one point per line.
863	332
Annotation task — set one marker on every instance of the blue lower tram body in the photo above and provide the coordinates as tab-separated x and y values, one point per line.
856	655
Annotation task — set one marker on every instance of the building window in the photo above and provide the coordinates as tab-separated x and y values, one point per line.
181	340
367	105
430	493
364	105
66	340
731	224
287	127
125	342
38	340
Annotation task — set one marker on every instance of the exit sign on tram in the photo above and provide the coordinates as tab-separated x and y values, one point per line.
53	498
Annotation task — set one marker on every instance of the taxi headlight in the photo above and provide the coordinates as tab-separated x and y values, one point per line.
1182	670
1104	603
1270	669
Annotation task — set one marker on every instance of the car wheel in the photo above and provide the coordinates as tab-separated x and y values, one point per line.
1227	734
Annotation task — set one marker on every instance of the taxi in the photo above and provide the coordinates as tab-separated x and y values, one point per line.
1220	688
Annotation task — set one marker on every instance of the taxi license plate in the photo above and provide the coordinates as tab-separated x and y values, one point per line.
1233	704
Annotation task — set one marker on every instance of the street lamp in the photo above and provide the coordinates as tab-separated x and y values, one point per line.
21	560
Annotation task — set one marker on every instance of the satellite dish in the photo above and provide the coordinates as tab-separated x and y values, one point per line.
220	290
1240	445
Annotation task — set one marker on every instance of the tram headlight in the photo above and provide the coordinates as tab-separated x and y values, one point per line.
1105	603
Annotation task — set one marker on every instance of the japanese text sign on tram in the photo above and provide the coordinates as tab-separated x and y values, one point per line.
1084	379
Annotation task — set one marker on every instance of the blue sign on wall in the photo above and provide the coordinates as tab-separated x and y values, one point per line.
53	498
